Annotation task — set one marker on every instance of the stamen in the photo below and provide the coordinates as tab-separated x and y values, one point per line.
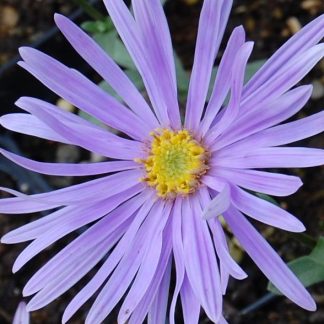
175	163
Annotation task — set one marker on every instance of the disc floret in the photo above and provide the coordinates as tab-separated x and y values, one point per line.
175	163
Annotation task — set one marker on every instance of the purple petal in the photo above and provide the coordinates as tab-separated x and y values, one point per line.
96	139
124	274
147	269
213	16
66	279
156	39
220	243
200	259
268	260
158	310
265	182
66	260
107	68
81	92
21	315
36	228
291	74
70	169
276	157
279	135
272	113
30	125
265	211
163	268
308	36
130	34
218	205
94	190
232	110
77	218
120	251
178	255
223	78
190	303
223	252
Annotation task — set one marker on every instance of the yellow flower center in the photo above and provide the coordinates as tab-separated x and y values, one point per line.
175	163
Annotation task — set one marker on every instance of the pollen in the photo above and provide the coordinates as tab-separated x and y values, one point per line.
175	163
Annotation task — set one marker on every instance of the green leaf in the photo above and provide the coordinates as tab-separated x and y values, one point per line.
98	26
252	68
133	75
136	78
309	268
115	48
182	74
90	118
267	198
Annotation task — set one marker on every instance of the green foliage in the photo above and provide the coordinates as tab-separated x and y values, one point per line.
98	26
252	68
309	268
267	198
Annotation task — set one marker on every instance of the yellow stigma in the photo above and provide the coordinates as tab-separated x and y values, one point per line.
175	163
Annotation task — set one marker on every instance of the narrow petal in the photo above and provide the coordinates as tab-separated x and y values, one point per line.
279	135
218	205
223	252
210	32
94	190
36	228
200	260
70	169
130	34
276	157
178	254
146	271
227	264
81	92
223	320
21	315
190	303
291	74
96	139
78	217
268	260
66	260
65	280
156	38
124	274
273	113
265	182
158	310
107	68
265	211
232	110
163	268
223	78
30	125
120	251
307	37
214	182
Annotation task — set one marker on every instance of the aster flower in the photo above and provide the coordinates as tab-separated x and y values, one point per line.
171	179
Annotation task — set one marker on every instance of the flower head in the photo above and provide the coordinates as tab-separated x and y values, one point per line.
172	179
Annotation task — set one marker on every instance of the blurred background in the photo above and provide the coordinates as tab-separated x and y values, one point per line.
268	23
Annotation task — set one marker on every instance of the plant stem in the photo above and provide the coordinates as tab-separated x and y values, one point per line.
89	9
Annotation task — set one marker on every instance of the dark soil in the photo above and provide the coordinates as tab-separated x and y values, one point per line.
269	24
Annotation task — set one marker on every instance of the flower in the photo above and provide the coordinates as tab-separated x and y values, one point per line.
171	180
